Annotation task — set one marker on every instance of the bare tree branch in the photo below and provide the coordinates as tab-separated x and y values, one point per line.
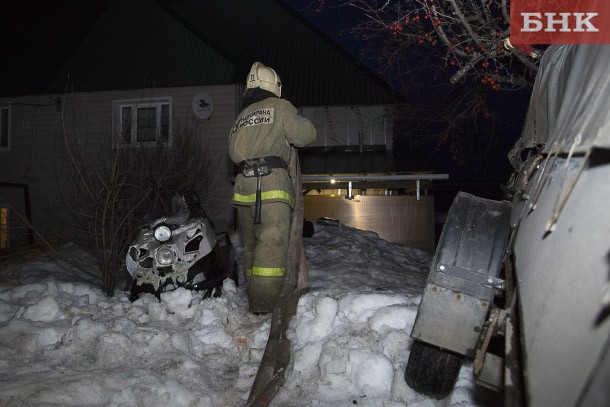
473	33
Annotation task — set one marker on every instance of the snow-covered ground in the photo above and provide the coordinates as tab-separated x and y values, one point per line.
63	342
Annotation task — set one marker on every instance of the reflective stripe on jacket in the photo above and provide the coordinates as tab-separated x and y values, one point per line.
275	195
266	271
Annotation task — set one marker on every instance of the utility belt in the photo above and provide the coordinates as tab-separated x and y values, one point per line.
259	167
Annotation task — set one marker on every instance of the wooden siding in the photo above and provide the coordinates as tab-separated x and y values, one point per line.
37	125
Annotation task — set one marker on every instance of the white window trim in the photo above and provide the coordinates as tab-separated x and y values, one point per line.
8	108
135	104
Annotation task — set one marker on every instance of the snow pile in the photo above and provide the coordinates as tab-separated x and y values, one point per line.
64	342
351	335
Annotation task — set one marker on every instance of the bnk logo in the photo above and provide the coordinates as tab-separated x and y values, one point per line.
559	22
562	22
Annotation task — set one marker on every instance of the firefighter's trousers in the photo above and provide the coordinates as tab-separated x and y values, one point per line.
265	248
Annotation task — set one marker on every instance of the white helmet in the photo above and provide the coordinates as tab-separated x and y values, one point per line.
265	78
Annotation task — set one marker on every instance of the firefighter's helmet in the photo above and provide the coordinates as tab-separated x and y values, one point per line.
265	78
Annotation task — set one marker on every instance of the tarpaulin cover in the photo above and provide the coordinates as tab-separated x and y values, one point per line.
571	97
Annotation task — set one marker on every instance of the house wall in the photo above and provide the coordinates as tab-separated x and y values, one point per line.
351	125
38	123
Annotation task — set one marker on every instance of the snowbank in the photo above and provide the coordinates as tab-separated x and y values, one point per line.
64	342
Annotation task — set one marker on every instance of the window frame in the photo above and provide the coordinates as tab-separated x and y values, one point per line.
8	109
118	110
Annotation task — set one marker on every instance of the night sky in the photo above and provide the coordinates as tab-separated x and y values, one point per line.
39	36
509	107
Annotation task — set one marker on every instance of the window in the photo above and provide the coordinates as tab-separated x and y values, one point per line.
142	121
5	127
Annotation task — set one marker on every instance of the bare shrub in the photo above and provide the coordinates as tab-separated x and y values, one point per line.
107	191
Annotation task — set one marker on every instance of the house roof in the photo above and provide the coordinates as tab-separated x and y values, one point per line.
169	43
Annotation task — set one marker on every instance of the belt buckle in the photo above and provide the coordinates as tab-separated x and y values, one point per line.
257	167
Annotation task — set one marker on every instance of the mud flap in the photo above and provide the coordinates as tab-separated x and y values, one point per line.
464	274
459	293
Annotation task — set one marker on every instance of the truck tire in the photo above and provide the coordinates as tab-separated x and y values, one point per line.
431	370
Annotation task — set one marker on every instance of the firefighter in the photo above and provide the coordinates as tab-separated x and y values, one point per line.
260	144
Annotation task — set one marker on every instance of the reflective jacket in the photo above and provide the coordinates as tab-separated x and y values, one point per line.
267	128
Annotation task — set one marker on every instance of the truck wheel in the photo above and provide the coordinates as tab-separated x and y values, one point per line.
431	370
